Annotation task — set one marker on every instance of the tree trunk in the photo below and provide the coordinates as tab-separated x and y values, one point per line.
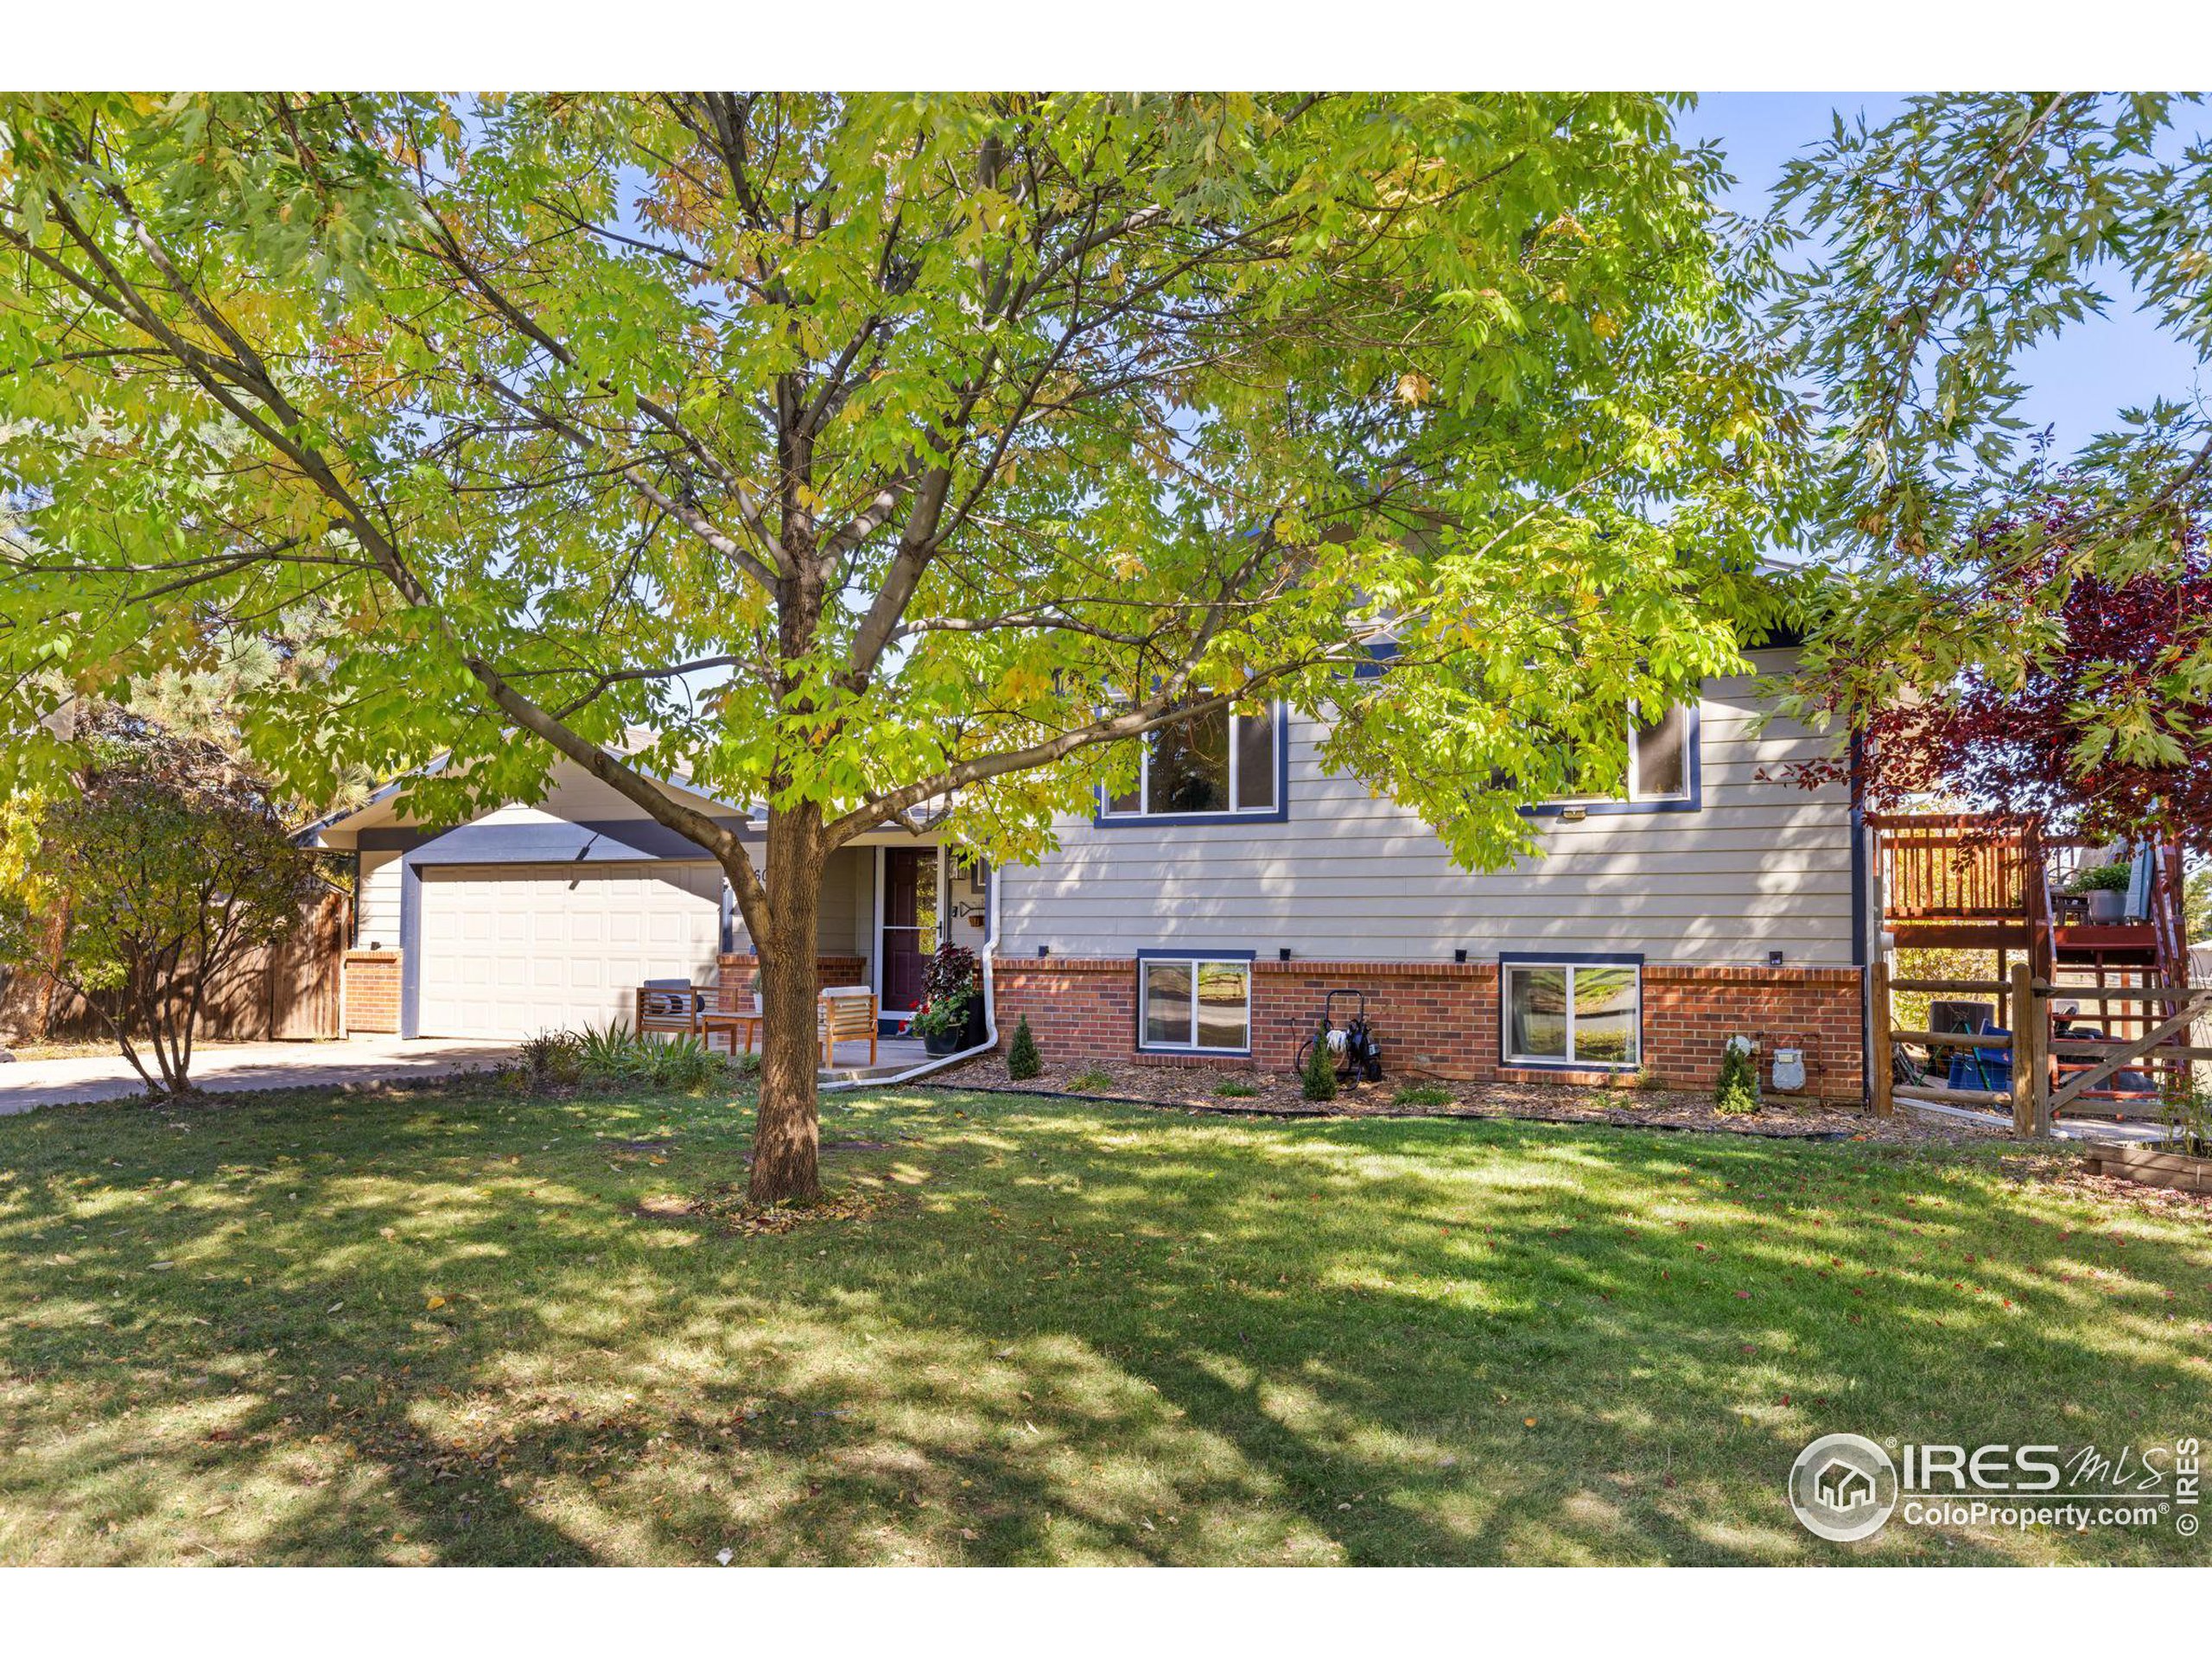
786	1137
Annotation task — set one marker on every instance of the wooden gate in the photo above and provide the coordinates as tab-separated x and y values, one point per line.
2049	1073
289	990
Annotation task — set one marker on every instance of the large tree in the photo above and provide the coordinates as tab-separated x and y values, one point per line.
884	455
1941	248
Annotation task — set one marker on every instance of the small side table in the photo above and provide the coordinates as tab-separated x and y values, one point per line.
730	1022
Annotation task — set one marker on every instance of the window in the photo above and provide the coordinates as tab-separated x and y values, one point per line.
1659	759
1199	1003
1213	764
1661	764
1573	1013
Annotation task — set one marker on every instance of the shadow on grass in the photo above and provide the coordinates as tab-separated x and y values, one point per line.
440	1330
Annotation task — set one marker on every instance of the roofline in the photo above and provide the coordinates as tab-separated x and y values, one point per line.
308	833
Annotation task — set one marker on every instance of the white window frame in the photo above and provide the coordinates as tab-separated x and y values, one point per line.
1195	963
1506	970
1279	735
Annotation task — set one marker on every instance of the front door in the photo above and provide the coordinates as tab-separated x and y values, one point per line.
909	912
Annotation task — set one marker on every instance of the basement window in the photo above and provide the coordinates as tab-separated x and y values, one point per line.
1587	1013
1189	1003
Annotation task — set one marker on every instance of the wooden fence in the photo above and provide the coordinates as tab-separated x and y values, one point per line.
288	991
2047	1074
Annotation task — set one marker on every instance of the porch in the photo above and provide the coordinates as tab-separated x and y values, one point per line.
887	902
1999	889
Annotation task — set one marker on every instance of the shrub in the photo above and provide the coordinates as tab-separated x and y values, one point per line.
1022	1060
684	1062
1737	1092
1319	1078
1235	1089
149	885
613	1053
1092	1081
1423	1094
551	1059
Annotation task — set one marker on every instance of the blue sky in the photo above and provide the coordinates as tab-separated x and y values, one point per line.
2077	382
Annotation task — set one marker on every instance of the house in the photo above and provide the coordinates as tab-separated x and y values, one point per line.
1201	920
549	915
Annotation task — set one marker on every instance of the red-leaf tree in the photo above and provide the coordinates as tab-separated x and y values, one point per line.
2100	724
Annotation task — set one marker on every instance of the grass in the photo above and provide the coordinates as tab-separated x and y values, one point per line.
456	1326
1423	1094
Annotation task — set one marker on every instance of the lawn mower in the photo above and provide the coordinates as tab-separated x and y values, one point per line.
1358	1051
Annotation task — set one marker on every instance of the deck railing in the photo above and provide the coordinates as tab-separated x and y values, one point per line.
1955	866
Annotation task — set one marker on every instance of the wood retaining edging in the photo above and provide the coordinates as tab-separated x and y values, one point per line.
2154	1166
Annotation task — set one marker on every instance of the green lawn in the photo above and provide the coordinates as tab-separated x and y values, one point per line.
454	1328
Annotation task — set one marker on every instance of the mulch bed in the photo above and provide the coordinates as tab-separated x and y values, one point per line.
1193	1090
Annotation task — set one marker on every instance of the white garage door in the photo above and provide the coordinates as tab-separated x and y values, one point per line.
511	950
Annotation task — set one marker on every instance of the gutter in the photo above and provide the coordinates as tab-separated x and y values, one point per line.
937	1063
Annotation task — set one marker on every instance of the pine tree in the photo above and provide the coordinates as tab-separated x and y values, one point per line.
1738	1090
1022	1060
1320	1074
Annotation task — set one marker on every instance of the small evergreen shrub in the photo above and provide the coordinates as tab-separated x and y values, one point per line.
1022	1060
1738	1093
1319	1077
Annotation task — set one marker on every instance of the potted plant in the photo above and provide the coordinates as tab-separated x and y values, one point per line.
754	986
2106	887
953	984
941	1023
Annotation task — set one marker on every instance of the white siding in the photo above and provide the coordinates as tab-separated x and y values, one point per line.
377	900
1763	866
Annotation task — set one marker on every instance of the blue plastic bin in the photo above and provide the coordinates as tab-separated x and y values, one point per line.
1988	1068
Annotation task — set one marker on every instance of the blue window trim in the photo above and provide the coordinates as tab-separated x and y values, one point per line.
1694	740
1572	958
1279	813
1177	954
1565	959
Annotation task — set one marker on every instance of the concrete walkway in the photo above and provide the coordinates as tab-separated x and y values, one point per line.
2102	1130
27	1085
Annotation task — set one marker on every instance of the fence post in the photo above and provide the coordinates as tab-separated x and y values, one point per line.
1877	984
2027	1050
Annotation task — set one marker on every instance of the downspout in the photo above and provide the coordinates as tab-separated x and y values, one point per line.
991	1010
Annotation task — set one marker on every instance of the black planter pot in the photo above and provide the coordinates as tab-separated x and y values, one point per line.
943	1042
973	1036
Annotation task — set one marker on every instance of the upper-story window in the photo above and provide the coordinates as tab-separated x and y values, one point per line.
1662	767
1219	763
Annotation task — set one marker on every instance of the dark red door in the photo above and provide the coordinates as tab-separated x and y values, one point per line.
909	924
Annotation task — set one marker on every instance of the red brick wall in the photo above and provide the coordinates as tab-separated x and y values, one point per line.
1441	1018
371	991
734	977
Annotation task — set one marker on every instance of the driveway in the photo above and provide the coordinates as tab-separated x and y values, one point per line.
26	1085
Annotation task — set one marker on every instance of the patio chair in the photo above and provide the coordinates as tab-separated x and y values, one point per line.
670	1005
847	1016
